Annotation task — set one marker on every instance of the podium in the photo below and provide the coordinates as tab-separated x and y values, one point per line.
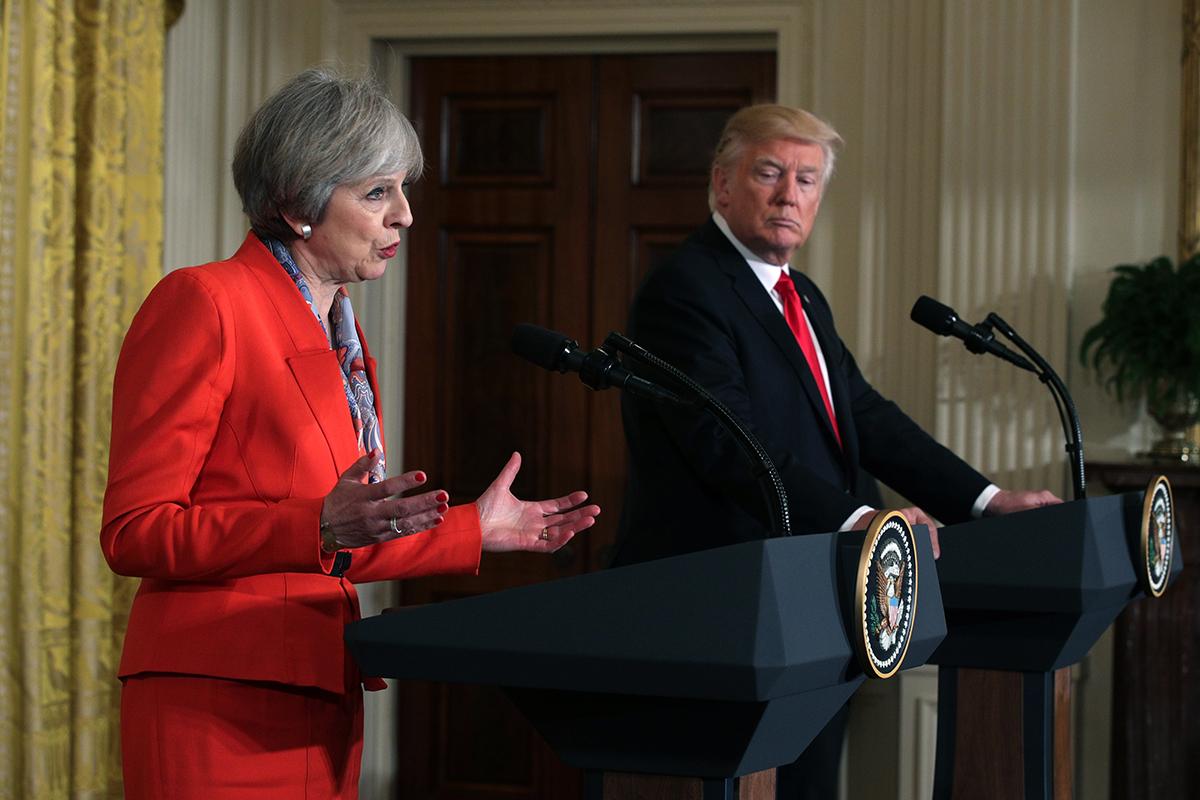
1027	594
714	666
1155	703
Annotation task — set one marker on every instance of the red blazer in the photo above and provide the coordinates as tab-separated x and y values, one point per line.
230	425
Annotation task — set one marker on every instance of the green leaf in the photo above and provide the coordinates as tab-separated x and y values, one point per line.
1147	342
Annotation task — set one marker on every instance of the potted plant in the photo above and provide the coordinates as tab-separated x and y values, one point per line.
1147	344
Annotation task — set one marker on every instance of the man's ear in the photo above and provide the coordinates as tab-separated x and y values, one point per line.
720	184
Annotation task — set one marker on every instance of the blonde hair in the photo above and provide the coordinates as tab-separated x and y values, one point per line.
767	122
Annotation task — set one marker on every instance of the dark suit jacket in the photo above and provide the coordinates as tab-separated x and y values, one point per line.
690	487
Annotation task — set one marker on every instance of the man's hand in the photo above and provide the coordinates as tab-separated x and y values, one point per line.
1007	502
914	516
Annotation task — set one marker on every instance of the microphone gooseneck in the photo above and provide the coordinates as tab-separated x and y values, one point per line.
944	321
769	480
601	368
1067	415
598	369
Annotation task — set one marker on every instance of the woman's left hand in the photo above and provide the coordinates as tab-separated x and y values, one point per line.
509	523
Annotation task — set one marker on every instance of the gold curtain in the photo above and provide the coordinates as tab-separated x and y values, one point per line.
80	245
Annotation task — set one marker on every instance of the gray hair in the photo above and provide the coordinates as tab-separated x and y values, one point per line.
319	131
767	122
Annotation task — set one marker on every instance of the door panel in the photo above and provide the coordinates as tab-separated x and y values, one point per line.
494	279
554	184
659	118
501	141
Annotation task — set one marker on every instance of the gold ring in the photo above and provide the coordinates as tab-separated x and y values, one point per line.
544	535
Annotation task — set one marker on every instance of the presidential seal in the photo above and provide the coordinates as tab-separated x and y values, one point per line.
1158	535
886	594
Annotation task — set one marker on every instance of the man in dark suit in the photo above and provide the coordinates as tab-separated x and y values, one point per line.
727	310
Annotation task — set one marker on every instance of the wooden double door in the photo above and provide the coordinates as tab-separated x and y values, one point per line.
553	184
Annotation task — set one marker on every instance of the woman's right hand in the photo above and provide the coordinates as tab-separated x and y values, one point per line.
360	514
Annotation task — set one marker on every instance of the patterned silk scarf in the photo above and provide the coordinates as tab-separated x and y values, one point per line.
350	355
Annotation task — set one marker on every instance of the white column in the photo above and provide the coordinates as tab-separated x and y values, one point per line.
1004	228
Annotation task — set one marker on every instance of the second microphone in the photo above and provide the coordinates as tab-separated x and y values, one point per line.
598	369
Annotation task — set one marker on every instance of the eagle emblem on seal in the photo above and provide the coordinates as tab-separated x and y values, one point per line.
1158	533
885	598
1159	527
889	594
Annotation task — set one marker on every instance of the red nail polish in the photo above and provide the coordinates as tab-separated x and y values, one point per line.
443	508
420	476
441	497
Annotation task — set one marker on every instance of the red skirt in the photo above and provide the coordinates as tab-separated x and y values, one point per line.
185	737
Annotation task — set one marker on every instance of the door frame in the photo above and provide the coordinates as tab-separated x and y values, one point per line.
390	34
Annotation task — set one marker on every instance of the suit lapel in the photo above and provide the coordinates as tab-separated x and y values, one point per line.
762	307
838	389
320	380
314	366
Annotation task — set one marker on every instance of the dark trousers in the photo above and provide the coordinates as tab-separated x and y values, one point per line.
814	775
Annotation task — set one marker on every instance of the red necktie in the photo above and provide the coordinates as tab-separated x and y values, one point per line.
794	314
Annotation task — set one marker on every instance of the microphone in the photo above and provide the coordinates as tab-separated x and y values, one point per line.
942	320
598	369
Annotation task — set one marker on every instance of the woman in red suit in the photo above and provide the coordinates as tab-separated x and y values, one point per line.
247	483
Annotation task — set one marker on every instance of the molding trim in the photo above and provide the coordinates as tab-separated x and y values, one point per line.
465	24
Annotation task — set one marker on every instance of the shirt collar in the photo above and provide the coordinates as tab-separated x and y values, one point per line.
767	274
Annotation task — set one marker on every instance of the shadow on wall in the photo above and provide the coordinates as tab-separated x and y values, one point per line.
1111	430
1002	419
998	417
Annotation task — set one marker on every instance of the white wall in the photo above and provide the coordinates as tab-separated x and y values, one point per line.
1126	179
1124	209
1001	156
223	58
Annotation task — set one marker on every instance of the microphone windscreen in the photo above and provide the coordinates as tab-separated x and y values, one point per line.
539	345
933	315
